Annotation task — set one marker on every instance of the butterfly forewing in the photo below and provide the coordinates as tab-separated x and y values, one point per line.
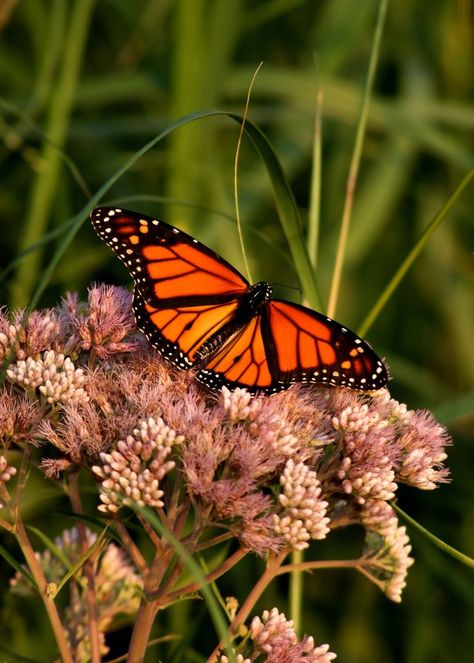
168	266
179	332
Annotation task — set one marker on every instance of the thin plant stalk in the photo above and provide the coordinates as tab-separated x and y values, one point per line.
46	181
315	191
355	161
148	611
413	255
236	179
42	584
296	589
274	563
93	621
296	577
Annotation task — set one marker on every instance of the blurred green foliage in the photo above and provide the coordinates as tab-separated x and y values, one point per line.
85	84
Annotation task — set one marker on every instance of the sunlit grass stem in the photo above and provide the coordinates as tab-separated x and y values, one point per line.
45	184
413	255
355	161
315	193
236	164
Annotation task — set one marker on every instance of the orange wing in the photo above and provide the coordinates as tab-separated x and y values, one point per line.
286	343
169	267
307	346
179	332
197	310
241	361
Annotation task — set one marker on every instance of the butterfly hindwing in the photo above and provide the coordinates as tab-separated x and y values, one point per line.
168	266
242	361
310	347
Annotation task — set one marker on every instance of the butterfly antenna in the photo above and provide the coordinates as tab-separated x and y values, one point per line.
236	163
292	287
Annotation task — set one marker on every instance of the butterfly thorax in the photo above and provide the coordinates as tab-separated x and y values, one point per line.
257	296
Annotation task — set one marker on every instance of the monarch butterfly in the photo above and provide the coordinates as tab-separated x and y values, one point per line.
201	313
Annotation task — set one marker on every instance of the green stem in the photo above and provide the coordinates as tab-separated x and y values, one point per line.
355	161
296	589
413	255
315	196
46	181
37	573
265	579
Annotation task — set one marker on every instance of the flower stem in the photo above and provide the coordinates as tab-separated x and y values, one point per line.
141	632
37	573
355	161
93	625
130	547
329	564
296	590
148	608
210	577
265	579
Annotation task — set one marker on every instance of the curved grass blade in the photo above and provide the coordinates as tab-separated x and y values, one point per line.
98	543
52	547
412	256
284	200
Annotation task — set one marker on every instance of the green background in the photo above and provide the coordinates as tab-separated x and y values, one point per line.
83	85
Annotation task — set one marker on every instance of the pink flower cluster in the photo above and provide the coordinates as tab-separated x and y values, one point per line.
274	637
274	472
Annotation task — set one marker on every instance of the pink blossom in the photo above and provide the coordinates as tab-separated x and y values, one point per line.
304	512
19	418
102	325
274	635
422	445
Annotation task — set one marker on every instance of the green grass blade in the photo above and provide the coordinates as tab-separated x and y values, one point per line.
413	255
50	544
23	571
82	559
46	181
355	161
315	193
287	210
461	557
284	200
